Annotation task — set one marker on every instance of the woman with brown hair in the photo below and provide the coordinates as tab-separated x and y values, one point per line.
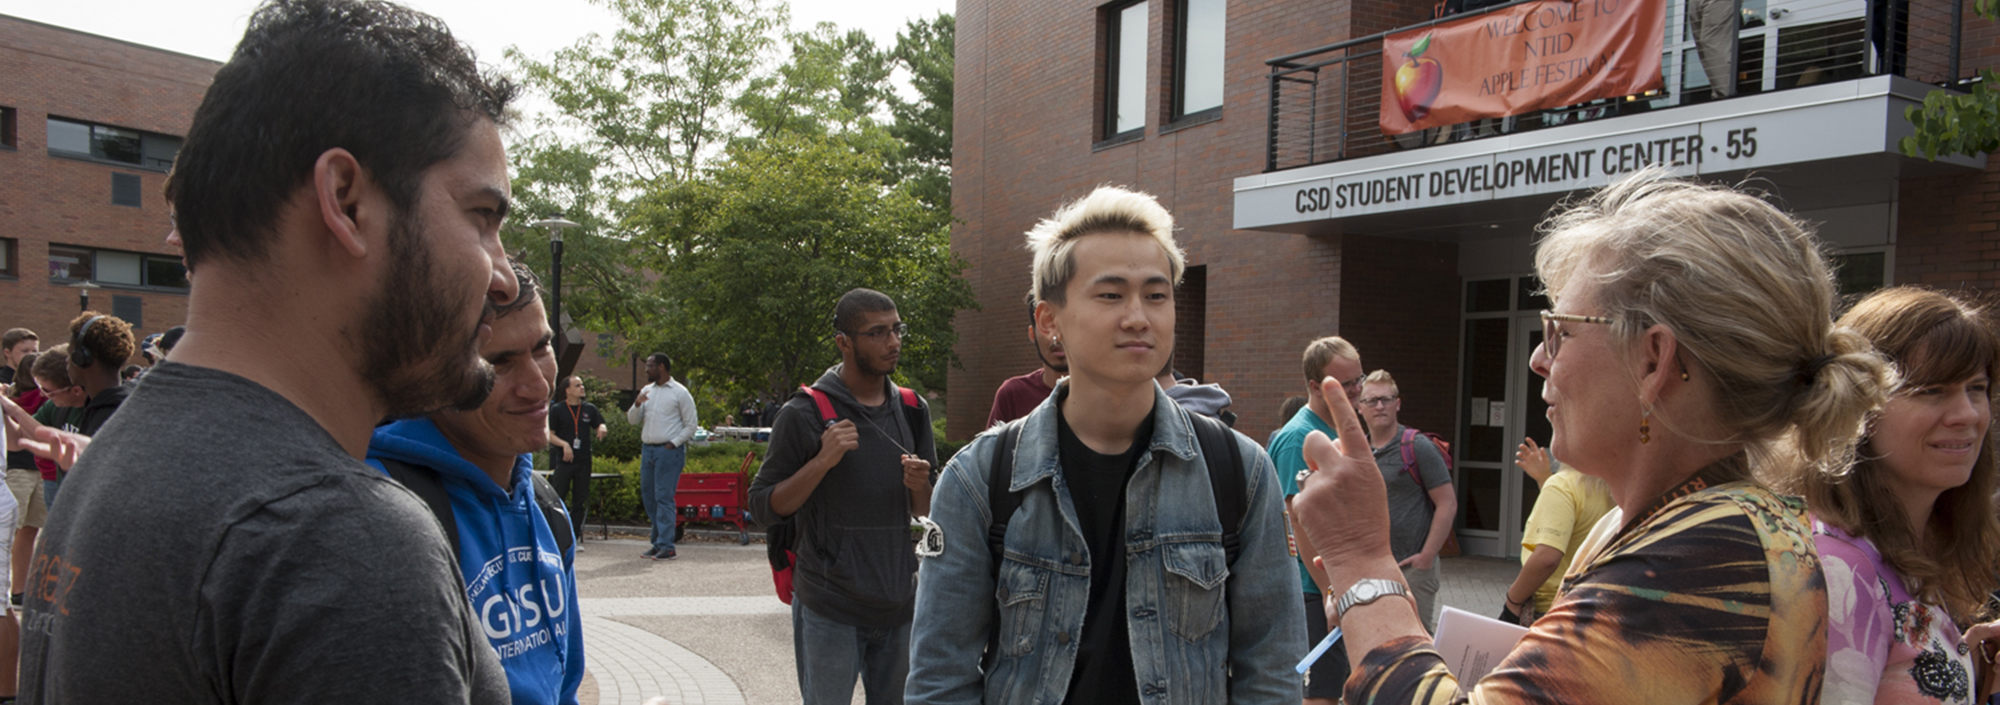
1691	350
1907	534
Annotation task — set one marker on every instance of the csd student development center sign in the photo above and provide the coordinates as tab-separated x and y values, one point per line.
1520	59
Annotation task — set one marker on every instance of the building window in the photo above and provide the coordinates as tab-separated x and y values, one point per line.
1198	64
7	130
125	190
111	267
7	255
130	309
84	140
1125	72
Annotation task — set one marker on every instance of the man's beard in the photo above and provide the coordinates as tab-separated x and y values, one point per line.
414	352
1061	369
868	366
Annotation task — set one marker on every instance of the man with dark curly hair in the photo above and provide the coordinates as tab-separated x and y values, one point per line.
104	341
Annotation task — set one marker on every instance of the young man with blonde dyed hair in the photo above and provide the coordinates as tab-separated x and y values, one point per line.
1111	577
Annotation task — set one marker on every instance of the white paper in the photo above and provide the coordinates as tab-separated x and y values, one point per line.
1478	404
1498	413
1473	645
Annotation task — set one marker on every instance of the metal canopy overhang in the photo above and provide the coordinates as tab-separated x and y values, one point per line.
1814	147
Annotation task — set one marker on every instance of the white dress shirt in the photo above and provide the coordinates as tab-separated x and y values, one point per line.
667	416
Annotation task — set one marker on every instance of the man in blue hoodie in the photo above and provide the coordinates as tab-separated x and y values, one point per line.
520	581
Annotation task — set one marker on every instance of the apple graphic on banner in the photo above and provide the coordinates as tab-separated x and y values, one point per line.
1418	81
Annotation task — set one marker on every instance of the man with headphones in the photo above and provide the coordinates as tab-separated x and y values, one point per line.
98	347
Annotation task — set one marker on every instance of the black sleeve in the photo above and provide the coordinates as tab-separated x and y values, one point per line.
794	441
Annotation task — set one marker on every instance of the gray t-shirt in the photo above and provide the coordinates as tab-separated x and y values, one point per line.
216	545
1410	509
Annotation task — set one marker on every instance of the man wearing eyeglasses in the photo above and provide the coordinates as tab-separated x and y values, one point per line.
1420	513
852	474
1331	356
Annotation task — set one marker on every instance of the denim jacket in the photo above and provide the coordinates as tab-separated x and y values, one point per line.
1203	630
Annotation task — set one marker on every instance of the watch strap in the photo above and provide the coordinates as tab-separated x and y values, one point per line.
1369	590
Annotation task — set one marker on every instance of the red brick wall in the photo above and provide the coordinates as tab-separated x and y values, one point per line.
1399	307
47	71
1027	93
1948	230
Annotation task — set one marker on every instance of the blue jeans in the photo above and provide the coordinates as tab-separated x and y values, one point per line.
830	655
49	488
659	475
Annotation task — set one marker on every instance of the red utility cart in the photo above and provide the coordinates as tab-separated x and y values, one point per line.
714	497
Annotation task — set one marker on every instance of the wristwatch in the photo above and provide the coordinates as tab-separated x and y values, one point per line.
1369	590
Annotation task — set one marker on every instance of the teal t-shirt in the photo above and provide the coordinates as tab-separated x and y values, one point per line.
1288	455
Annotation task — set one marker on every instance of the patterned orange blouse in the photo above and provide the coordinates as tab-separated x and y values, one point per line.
1716	597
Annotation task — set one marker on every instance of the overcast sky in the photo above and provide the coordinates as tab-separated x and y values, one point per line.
210	28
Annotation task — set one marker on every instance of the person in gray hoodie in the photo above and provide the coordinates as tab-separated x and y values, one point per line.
852	480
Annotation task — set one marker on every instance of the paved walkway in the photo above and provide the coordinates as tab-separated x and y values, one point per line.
705	629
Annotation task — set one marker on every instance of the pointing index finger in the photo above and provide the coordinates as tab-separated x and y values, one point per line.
1345	421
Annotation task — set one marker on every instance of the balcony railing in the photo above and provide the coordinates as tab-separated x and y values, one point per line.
1324	102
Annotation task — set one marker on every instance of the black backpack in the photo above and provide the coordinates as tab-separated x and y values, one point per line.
1226	479
430	488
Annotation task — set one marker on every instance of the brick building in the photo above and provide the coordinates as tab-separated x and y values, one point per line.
88	127
1255	124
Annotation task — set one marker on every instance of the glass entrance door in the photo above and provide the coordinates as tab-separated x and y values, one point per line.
1500	403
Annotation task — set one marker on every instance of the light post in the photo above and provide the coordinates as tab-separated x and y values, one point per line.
83	294
555	224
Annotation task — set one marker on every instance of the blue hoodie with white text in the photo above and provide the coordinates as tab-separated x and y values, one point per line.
522	590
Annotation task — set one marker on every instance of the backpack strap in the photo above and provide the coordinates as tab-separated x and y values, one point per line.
1001	502
1225	480
1409	449
824	402
909	398
556	514
429	488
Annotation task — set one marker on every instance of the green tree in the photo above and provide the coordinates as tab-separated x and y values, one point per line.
1949	122
658	98
753	256
835	83
925	49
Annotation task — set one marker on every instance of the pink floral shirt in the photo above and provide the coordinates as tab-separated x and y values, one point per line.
1883	646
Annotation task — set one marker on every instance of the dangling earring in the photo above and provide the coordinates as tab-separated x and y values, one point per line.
1645	426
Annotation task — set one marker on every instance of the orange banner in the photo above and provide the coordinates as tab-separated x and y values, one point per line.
1532	56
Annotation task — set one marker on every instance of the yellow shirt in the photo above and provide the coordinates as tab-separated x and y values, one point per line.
1569	505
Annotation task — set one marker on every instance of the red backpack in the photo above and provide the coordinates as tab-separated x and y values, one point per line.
782	536
1450	547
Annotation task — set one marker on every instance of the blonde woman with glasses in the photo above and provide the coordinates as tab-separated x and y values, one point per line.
1690	350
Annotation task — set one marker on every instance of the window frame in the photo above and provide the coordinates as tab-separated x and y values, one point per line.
1178	115
146	259
1114	24
10	128
90	131
10	259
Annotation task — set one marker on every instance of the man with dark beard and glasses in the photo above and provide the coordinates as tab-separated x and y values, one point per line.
850	461
1019	395
339	197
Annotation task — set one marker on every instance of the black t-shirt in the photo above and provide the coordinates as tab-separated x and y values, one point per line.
1096	482
578	428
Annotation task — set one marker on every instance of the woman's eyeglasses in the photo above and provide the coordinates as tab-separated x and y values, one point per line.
1552	334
